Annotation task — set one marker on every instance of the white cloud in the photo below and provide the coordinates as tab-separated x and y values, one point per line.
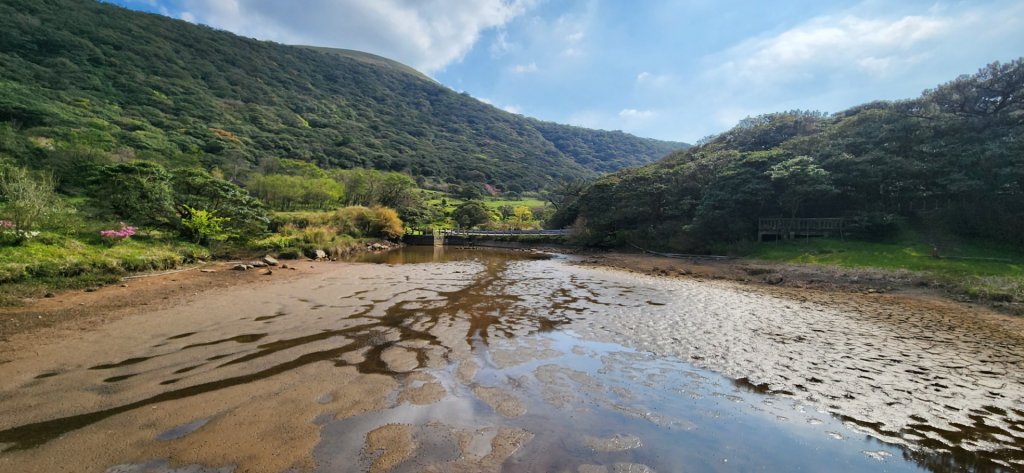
187	16
871	46
513	109
653	80
427	34
524	68
634	114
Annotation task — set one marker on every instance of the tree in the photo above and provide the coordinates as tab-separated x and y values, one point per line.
25	199
204	226
522	217
196	189
471	214
139	191
798	180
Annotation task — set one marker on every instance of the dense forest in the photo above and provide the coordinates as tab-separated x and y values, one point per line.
83	78
951	160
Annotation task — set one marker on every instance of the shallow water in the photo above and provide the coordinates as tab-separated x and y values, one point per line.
438	359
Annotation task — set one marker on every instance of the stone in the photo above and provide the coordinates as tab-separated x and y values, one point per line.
270	260
239	267
320	254
773	279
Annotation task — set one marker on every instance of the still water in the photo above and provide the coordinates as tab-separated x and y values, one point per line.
439	359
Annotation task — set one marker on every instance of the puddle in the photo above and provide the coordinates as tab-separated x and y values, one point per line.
440	359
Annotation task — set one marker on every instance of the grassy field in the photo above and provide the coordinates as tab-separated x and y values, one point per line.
448	204
980	270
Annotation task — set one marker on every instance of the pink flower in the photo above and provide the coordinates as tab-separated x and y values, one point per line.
124	232
6	224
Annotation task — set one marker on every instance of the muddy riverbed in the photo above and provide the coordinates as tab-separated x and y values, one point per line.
446	360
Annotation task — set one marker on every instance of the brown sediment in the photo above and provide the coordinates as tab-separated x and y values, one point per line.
429	392
467	371
399	359
501	401
264	426
74	310
204	383
390	445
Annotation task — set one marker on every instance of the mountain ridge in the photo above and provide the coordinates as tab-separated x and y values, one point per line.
116	81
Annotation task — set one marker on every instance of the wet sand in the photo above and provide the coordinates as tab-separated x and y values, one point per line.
492	361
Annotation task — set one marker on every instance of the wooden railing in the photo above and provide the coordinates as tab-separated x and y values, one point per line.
790	227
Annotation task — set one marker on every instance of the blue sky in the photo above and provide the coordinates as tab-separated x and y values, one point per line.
668	69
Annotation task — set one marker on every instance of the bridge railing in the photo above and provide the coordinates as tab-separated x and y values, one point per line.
562	232
790	227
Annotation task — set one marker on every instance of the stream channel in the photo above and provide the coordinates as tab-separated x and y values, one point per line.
448	360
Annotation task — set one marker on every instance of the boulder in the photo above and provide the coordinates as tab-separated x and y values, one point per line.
320	254
270	260
239	267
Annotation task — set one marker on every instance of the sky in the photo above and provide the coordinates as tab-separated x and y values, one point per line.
668	69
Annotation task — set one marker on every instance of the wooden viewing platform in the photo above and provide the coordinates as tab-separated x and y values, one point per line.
789	228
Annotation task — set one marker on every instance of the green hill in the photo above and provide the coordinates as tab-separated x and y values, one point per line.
950	162
83	75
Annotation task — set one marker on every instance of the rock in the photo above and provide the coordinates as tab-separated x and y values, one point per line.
124	285
270	260
90	289
207	270
257	264
239	267
773	279
49	295
320	254
284	266
268	272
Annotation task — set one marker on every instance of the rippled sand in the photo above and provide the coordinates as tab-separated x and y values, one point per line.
503	362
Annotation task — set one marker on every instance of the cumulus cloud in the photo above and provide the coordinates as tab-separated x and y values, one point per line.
426	34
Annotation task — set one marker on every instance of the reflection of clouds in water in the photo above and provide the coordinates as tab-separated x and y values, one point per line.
905	376
547	335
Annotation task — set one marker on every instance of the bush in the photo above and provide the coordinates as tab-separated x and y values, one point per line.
872	226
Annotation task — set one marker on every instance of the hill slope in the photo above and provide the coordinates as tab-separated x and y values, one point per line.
82	74
950	161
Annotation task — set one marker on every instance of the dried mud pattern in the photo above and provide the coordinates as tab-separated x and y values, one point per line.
501	401
916	374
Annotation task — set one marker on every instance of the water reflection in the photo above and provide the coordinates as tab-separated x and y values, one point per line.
490	372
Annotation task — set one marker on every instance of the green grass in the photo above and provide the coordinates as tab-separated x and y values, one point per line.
58	262
979	270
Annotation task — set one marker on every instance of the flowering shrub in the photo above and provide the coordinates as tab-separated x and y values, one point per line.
9	230
117	235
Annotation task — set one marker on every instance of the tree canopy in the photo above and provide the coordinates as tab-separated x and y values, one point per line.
953	157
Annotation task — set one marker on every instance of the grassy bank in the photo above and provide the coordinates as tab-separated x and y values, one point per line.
53	262
978	270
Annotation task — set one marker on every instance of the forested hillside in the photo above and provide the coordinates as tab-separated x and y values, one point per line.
949	161
87	77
